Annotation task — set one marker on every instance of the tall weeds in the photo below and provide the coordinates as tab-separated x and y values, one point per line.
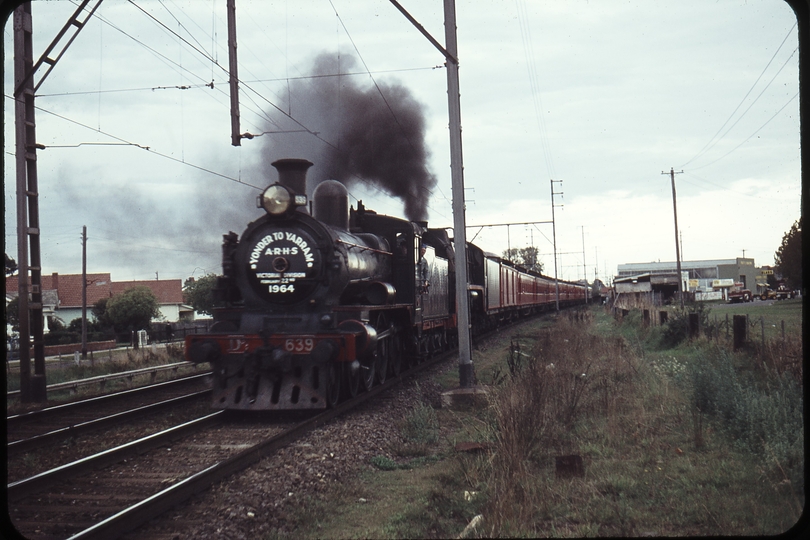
567	373
759	409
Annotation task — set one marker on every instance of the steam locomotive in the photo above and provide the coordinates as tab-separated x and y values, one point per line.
316	308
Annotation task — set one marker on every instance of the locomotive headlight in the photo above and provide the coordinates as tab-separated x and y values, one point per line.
276	200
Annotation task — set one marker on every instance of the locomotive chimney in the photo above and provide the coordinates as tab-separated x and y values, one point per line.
292	173
331	204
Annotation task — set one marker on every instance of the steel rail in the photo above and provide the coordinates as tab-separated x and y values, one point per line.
98	423
132	517
102	379
28	486
40	414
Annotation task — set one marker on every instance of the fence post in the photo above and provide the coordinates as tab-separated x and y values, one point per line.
783	332
740	330
694	325
762	328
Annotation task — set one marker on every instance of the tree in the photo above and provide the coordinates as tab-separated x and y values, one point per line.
99	311
13	314
11	266
788	258
199	293
133	309
526	257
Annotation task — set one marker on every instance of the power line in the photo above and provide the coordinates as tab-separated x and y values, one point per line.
528	50
377	86
147	148
245	84
750	136
711	144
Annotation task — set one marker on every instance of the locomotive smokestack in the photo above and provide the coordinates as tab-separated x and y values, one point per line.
292	173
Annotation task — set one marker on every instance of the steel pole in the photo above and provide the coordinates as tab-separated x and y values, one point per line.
22	22
465	365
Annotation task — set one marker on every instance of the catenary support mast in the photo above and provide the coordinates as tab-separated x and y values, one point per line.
450	52
33	388
465	365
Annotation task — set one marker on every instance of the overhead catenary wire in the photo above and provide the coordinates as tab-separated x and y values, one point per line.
142	147
528	50
199	49
376	85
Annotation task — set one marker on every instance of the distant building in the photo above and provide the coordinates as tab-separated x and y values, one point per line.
62	295
702	276
643	291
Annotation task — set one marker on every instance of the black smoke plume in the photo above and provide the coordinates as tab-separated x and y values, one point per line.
374	134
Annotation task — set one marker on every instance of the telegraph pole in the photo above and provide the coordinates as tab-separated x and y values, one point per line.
554	235
84	292
677	244
584	266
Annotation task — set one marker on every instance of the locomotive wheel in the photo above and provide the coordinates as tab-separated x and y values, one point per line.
383	350
367	370
394	356
333	384
423	348
350	381
430	346
381	369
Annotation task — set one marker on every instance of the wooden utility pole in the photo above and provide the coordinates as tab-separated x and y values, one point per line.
677	244
84	292
584	266
236	137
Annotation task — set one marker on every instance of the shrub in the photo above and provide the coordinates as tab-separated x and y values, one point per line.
762	416
676	329
422	425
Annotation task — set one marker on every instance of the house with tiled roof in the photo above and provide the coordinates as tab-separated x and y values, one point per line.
64	292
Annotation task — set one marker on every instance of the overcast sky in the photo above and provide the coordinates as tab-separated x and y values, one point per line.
604	96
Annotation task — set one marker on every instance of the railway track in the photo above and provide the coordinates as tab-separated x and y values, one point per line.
40	427
114	491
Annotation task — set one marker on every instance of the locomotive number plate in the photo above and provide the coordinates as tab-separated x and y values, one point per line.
302	344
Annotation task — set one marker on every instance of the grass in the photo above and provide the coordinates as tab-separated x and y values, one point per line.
103	364
690	440
773	315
